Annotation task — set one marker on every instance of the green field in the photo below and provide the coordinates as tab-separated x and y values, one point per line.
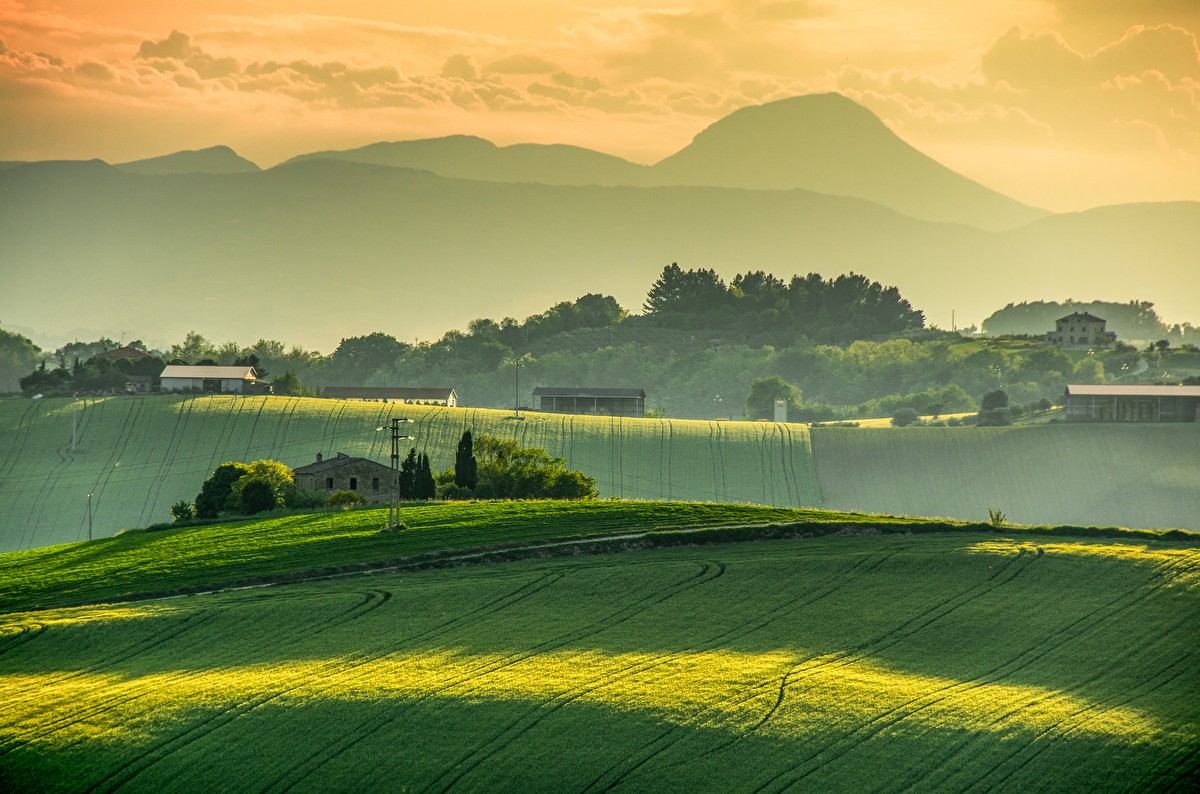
137	456
895	662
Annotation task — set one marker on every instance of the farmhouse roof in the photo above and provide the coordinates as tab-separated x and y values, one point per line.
210	373
557	391
1152	390
341	459
1082	316
128	351
387	393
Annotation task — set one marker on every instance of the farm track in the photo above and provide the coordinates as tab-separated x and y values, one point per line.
811	666
855	738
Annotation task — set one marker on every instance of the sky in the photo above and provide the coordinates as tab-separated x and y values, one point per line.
1062	104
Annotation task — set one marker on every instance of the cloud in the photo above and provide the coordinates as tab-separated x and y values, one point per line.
521	64
177	45
459	66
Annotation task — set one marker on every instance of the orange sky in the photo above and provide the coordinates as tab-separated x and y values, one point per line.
1063	104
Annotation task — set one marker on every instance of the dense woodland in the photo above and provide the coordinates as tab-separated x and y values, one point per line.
843	348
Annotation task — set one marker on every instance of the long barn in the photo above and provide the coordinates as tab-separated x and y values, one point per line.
1149	403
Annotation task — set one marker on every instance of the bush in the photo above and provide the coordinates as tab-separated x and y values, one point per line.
302	498
257	497
183	511
345	499
904	417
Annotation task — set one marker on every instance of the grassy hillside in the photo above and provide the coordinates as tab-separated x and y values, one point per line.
1114	475
137	456
943	662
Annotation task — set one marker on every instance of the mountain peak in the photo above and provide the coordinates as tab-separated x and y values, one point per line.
831	144
212	160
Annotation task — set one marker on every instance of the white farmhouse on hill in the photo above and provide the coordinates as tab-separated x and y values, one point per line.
212	380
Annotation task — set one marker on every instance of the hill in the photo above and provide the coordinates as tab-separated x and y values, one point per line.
256	245
825	143
137	456
213	160
470	157
940	662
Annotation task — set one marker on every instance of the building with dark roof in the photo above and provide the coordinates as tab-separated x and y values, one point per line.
592	402
1081	331
388	394
370	480
1150	403
127	352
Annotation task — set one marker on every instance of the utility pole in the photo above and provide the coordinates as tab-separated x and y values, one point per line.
517	364
73	413
89	511
394	506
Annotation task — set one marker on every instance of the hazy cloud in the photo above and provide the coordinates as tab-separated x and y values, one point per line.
521	64
459	66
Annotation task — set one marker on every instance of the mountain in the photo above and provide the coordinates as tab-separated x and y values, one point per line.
823	142
830	144
469	157
213	160
312	252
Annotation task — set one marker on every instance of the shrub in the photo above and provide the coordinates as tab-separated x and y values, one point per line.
345	499
904	417
302	498
183	511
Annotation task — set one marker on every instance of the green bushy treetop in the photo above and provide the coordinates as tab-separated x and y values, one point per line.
509	471
760	402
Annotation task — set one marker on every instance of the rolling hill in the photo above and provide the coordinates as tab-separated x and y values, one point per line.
316	251
936	662
213	160
137	456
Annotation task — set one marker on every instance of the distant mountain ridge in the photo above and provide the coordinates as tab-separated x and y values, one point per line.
825	143
270	255
213	160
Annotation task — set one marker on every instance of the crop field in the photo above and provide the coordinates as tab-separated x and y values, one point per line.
939	662
1110	475
138	455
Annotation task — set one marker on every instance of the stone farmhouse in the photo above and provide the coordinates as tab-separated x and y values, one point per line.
1120	403
212	380
370	480
590	401
409	396
1081	331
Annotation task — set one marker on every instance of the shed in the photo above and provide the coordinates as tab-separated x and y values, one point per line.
1133	403
591	401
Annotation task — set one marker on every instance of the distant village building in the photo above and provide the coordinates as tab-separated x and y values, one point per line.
370	480
212	380
593	402
1150	403
1080	331
415	396
128	352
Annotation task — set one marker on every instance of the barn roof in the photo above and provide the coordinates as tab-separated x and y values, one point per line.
387	393
1082	316
557	391
211	373
1122	390
128	351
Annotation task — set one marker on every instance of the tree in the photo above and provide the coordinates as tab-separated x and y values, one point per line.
215	492
195	348
760	402
426	487
408	475
466	468
904	417
993	409
182	511
18	355
256	497
278	476
289	385
509	471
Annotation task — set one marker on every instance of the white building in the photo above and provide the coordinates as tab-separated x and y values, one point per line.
212	380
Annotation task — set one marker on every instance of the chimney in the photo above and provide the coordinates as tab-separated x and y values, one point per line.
318	457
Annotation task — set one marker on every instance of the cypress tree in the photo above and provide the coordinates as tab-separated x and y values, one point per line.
466	471
426	487
408	475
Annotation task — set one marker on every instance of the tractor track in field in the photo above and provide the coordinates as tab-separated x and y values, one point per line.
814	665
1077	628
300	770
148	757
182	415
826	588
21	435
858	736
482	669
25	632
710	571
48	483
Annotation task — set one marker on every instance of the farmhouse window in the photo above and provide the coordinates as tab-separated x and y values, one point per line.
353	483
374	483
328	483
